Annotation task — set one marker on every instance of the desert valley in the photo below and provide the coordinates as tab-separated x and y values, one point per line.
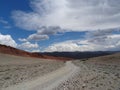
21	72
60	45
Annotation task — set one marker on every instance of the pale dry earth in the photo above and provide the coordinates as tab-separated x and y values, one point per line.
15	70
48	81
101	73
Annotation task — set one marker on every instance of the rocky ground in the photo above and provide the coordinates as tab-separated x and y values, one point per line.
101	73
94	75
24	69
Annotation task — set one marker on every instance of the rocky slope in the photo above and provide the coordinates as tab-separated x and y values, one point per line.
13	51
16	69
102	73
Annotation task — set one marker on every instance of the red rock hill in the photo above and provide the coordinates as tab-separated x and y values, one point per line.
13	51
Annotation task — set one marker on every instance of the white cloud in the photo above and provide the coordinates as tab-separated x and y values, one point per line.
67	46
42	34
7	40
28	46
103	37
75	15
49	30
50	17
111	42
22	39
73	45
37	37
36	50
34	37
5	23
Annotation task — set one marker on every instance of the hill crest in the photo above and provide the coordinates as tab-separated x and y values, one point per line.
17	52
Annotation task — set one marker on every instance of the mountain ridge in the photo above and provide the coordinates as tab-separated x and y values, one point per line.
17	52
80	55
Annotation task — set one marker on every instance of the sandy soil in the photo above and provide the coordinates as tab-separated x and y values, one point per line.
94	76
50	80
102	73
15	70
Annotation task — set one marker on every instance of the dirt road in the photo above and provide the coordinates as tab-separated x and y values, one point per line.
49	81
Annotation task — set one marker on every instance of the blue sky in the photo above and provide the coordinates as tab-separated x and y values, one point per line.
50	25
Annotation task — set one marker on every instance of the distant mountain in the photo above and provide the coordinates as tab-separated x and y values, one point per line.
53	55
79	55
13	51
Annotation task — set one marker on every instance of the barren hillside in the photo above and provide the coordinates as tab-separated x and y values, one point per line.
13	51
